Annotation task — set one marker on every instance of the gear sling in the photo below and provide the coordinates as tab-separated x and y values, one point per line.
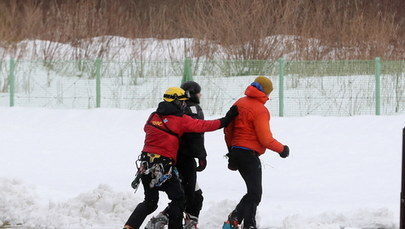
161	168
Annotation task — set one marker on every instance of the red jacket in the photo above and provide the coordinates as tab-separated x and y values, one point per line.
158	139
251	128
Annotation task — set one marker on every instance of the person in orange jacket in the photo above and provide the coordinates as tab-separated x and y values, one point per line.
247	137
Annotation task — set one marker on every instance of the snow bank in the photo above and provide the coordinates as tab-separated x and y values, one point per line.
100	207
105	208
342	172
124	49
116	48
364	218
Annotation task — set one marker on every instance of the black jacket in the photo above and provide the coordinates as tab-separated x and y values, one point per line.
192	144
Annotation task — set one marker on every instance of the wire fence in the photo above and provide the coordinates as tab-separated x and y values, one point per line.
326	88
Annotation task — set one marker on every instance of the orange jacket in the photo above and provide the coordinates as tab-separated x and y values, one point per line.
251	128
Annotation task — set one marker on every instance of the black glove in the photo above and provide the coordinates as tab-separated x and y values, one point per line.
232	164
202	163
285	153
229	117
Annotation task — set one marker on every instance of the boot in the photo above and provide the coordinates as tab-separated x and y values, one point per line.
228	225
232	222
190	222
158	222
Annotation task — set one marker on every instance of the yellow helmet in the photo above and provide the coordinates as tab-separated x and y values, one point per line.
175	93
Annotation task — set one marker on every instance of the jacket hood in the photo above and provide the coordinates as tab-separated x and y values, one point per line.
167	108
194	99
255	93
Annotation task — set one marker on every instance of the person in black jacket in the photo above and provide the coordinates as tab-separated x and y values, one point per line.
191	148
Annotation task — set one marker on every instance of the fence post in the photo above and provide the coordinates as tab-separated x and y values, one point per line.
187	72
281	70
377	86
402	203
11	80
98	82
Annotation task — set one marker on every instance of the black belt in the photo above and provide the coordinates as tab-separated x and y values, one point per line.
155	158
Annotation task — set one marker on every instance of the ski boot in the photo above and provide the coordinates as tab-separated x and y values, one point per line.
158	222
190	222
232	222
229	225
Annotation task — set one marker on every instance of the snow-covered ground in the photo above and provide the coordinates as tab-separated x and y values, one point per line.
73	169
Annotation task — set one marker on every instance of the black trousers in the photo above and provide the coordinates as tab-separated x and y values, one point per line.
175	193
249	167
187	169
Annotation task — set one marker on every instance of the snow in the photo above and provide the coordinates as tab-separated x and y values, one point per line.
73	169
101	205
125	49
106	47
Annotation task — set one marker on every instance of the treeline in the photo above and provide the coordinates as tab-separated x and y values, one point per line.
316	29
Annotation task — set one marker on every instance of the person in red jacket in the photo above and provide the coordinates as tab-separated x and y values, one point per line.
157	170
247	137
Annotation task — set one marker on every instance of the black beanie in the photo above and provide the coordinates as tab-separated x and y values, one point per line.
193	88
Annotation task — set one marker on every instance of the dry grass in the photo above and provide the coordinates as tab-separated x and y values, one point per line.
348	29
